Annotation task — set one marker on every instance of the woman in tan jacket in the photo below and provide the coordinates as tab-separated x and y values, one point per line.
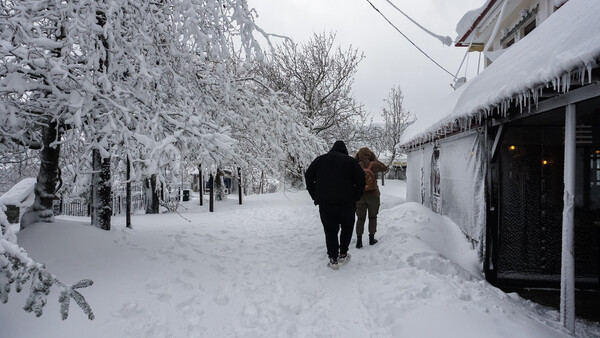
370	201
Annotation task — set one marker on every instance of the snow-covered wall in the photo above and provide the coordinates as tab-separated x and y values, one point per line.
462	170
414	160
463	173
418	175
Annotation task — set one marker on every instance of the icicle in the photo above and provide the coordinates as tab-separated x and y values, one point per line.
589	70
521	103
566	82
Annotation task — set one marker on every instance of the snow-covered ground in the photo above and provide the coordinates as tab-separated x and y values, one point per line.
259	270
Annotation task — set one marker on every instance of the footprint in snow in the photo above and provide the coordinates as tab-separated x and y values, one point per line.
129	310
250	316
221	300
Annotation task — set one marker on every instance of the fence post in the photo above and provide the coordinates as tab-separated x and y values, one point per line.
211	197
240	184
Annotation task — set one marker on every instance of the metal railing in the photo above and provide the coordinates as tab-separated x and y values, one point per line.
78	206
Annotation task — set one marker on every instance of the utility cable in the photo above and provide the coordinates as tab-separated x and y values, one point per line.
464	57
409	40
446	40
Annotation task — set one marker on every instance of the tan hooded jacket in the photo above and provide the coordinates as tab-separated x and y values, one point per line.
365	156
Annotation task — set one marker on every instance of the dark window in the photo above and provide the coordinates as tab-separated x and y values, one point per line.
595	168
509	42
529	28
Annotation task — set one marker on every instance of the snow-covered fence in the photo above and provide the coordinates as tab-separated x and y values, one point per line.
119	203
78	206
72	207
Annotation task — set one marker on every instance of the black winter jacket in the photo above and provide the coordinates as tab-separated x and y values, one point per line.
335	177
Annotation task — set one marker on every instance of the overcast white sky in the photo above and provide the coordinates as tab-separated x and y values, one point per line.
390	59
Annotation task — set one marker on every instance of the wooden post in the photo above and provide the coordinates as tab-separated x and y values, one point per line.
567	271
211	196
128	196
240	185
93	187
200	183
262	182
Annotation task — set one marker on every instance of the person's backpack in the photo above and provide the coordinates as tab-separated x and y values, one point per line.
370	178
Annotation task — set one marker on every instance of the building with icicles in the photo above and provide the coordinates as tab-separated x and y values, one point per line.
513	155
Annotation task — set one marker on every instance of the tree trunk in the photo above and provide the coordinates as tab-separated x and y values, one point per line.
94	187
101	185
262	182
152	200
47	179
128	196
219	188
101	191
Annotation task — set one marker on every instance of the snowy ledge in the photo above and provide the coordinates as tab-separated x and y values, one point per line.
563	50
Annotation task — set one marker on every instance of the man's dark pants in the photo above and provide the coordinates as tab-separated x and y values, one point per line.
334	217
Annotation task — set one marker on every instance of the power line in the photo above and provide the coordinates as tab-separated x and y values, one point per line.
446	40
409	40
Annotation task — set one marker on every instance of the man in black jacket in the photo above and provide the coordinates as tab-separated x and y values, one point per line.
335	181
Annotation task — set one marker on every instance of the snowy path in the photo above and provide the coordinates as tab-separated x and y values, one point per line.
259	270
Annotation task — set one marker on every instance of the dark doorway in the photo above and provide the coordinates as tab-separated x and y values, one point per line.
531	187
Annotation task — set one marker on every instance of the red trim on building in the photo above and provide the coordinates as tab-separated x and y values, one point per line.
460	42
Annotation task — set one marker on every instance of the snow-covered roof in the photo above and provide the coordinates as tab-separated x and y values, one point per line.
21	194
567	42
470	20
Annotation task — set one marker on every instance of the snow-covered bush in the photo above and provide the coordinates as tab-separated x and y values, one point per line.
18	269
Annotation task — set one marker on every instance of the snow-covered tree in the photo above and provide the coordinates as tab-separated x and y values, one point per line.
397	119
152	81
319	76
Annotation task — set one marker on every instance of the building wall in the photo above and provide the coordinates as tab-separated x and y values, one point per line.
461	176
418	173
511	19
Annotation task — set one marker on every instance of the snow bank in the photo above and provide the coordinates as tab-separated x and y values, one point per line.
21	194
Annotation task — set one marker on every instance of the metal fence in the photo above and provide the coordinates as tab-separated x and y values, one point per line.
77	206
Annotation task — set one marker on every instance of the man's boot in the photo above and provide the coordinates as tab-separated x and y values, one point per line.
358	242
372	239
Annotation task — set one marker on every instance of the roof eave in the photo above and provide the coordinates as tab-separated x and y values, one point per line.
462	41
